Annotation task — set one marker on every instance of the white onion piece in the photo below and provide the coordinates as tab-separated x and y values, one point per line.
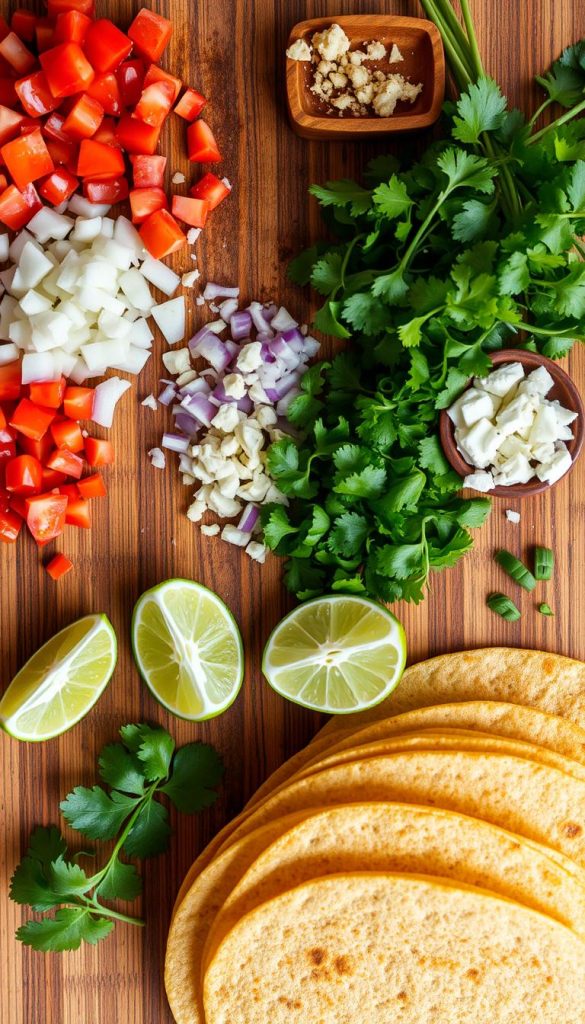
227	308
170	319
38	366
140	333
106	396
134	360
161	276
86	229
8	354
81	207
126	234
4	247
48	224
17	245
136	289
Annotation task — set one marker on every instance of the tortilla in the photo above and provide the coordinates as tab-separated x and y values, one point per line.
365	948
530	799
406	839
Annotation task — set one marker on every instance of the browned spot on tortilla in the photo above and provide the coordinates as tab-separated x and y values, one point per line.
342	965
548	666
572	830
472	973
317	956
291	1004
402	996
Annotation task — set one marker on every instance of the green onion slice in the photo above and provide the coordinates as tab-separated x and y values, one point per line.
545	609
544	563
503	606
515	569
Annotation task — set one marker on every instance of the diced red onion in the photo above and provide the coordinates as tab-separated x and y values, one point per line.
201	333
245	404
175	442
282	387
283	321
220	394
267	353
213	349
195	387
249	518
270	311
186	423
167	394
311	346
202	409
240	325
292	335
208	372
232	348
219	291
256	310
227	308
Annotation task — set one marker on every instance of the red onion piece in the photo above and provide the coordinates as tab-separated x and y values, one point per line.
202	409
213	349
187	423
175	442
249	518
219	291
167	394
240	325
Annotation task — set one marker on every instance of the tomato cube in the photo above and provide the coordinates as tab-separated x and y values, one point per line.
8	95
113	191
45	516
48	393
10	386
14	210
148	171
59	566
98	452
107	133
201	145
105	45
106	91
161	234
71	27
53	127
10	122
31	420
70	490
156	74
40	449
10	526
52	478
100	161
130	76
24	475
190	105
67	69
92	486
35	95
191	211
84	118
58	187
155	103
57	7
144	201
78	403
18	56
65	462
44	34
150	33
23	22
4	28
64	153
27	158
67	435
211	189
77	513
135	136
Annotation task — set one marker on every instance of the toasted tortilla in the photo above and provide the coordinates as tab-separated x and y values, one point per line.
365	948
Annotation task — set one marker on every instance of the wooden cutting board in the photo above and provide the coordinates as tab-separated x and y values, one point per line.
233	51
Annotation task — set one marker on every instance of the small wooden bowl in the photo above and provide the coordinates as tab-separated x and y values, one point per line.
564	390
420	43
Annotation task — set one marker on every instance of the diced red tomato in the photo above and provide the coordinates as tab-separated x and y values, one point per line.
105	45
156	74
3	182
98	452
92	486
113	191
44	34
59	566
67	435
31	420
211	189
7	451
27	158
52	478
99	161
161	234
150	33
201	145
78	403
84	118
77	513
45	516
53	127
40	449
24	475
23	22
107	133
155	103
49	393
106	91
135	136
190	105
70	490
148	171
67	69
59	186
10	122
8	95
30	124
57	7
32	200
130	76
64	153
35	95
65	462
16	53
71	27
144	201
10	526
14	210
191	211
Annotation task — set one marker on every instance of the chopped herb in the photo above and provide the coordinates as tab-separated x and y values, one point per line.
515	569
545	609
544	563
503	606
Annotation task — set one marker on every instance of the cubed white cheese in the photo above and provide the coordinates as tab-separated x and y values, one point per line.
232	535
543	452
226	418
234	386
518	415
395	55
477	405
501	380
250	357
564	416
516	470
557	467
479	481
512	516
210	529
481	443
332	43
541	380
544	430
513	445
299	50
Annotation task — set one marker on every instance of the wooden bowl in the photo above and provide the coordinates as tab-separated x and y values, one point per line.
564	390
420	43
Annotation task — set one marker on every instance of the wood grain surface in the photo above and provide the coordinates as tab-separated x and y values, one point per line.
233	51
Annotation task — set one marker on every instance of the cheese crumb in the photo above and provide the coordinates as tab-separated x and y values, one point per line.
332	43
375	51
395	55
511	516
189	279
210	530
178	178
193	235
300	50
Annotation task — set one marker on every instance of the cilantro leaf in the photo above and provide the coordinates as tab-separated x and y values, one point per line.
514	276
431	455
576	186
120	882
391	287
197	771
68	879
349	532
365	483
392	198
399	560
276	525
481	108
327	320
326	273
155	753
121	769
473	513
96	814
343	193
66	930
466	169
300	269
150	832
472	221
365	313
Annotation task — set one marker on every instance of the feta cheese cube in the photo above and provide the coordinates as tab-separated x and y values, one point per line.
234	385
557	467
541	380
300	50
518	415
501	380
476	405
257	551
516	470
232	535
332	43
513	445
227	418
250	357
481	442
479	481
545	427
543	452
512	516
395	55
210	529
564	416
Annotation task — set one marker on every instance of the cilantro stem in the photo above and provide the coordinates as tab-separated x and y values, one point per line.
144	800
345	262
473	47
567	116
462	71
543	106
96	907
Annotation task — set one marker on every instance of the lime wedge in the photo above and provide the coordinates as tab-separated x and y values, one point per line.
188	649
337	654
61	682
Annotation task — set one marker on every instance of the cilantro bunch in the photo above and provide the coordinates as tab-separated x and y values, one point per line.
137	770
475	247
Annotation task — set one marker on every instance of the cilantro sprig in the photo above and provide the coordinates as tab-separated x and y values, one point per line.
137	771
475	247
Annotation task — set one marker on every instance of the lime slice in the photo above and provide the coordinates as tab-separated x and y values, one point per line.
337	654
61	682
188	649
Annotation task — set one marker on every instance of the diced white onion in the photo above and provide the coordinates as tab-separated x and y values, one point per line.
170	319
106	395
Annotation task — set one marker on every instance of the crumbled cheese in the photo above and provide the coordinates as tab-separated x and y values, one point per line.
177	361
338	79
388	95
512	516
300	50
342	102
257	551
324	67
481	481
210	529
150	402
395	55
332	43
232	535
189	279
250	357
178	178
193	235
199	301
375	51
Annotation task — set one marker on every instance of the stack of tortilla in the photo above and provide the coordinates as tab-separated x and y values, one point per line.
422	861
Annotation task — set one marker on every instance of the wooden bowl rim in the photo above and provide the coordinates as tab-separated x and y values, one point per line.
562	380
346	128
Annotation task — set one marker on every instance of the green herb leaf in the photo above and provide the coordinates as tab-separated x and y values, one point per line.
120	882
391	198
481	108
121	769
96	814
155	753
197	771
343	193
150	832
66	930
